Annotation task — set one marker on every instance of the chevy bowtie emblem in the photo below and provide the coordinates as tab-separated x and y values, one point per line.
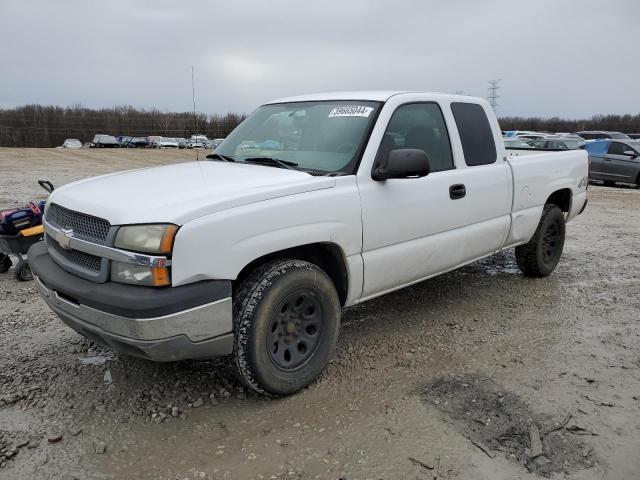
63	237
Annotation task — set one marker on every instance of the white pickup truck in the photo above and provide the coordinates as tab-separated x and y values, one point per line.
313	203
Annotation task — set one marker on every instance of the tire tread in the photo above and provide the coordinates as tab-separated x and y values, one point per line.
245	302
527	254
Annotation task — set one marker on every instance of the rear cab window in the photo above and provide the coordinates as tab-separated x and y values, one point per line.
476	136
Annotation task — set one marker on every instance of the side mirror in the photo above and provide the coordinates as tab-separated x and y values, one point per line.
403	163
630	153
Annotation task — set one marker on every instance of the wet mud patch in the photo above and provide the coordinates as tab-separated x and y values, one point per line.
499	422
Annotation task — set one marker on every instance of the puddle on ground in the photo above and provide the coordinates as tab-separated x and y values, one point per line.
498	421
502	263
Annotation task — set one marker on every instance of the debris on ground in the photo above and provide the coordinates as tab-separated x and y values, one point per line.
535	442
54	437
422	463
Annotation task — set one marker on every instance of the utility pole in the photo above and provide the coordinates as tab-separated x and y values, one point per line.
494	86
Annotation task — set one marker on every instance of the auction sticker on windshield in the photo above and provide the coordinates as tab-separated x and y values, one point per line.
350	111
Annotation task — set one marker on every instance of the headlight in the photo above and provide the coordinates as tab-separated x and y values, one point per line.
139	274
147	238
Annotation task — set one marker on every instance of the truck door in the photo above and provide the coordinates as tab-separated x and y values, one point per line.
621	163
414	228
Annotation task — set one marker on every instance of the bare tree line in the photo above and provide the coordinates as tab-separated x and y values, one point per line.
617	123
49	126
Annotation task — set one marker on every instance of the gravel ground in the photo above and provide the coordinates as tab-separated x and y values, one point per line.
461	376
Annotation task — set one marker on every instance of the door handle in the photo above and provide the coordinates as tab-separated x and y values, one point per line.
457	191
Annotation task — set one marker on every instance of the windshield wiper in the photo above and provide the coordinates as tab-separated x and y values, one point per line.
217	156
275	162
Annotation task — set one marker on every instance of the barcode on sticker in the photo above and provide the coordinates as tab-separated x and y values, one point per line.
350	111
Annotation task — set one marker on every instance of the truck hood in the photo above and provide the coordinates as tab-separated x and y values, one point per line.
182	192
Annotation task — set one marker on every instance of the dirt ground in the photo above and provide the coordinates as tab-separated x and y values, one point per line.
458	377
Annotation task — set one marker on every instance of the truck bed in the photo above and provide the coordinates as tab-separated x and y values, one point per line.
536	175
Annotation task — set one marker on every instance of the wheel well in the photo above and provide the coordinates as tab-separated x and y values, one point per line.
327	256
561	198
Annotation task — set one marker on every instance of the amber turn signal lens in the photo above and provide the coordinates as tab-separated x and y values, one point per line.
166	244
160	276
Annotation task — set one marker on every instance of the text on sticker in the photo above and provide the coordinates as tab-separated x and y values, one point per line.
350	111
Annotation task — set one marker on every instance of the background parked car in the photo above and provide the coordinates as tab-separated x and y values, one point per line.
525	134
191	143
600	134
72	143
215	143
635	136
138	142
105	141
166	142
200	138
517	143
123	140
557	144
153	140
614	161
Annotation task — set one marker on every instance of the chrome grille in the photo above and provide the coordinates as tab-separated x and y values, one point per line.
85	226
77	258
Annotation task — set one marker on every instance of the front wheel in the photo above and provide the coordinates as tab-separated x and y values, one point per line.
539	257
286	322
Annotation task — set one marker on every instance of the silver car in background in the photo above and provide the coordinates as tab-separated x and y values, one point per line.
72	143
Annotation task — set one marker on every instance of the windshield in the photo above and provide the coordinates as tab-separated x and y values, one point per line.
321	137
635	144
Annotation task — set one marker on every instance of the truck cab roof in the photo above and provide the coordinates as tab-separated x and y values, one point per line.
370	95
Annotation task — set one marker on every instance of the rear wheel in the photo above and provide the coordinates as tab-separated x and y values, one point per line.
287	317
539	257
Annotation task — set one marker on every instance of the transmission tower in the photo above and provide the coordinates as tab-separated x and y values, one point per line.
494	86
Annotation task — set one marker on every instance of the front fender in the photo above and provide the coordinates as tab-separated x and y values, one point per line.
220	245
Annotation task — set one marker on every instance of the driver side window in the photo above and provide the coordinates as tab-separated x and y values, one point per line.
420	126
616	148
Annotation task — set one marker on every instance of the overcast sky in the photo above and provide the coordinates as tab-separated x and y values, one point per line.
566	58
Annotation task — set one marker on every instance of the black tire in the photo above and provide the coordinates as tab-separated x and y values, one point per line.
5	263
286	322
539	257
23	272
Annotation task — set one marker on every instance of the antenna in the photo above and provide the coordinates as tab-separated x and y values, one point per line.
195	120
494	86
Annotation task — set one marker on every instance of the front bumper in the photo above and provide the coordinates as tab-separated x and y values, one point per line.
162	324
